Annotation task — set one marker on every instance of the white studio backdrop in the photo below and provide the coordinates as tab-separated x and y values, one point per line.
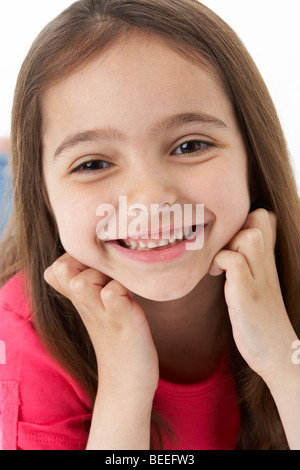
269	29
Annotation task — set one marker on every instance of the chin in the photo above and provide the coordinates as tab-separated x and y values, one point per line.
163	291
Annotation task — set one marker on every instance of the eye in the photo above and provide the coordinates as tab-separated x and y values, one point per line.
91	166
192	146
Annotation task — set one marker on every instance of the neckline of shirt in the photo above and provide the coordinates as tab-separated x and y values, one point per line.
221	373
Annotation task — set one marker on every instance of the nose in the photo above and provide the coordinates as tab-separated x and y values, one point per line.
152	186
151	193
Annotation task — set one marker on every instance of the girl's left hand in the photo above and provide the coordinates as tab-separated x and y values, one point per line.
261	327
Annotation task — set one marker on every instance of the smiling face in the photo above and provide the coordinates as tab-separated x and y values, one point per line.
144	122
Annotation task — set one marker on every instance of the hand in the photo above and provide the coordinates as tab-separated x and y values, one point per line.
261	327
126	355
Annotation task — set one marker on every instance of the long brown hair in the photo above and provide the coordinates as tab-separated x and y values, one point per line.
77	36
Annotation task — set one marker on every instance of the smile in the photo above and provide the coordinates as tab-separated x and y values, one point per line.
145	245
156	251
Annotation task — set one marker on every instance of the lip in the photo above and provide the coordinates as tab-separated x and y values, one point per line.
151	256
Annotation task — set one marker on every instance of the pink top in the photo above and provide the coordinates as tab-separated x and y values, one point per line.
43	408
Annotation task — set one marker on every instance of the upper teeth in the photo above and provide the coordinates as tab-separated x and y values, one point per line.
143	244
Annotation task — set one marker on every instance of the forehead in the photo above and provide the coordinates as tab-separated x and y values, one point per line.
139	78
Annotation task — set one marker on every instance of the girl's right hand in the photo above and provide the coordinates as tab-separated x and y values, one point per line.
117	326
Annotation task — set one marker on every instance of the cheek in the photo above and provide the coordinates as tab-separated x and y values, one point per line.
76	220
223	189
220	186
230	203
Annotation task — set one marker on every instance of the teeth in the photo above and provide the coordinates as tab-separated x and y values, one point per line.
179	235
163	242
132	244
142	244
139	245
151	245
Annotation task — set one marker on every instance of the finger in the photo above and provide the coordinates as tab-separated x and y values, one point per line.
215	269
112	293
119	304
265	221
256	241
59	274
51	279
250	243
86	287
62	271
234	264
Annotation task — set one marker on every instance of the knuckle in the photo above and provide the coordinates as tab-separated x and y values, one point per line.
60	266
267	216
113	284
78	284
111	289
262	212
108	292
252	236
239	260
255	236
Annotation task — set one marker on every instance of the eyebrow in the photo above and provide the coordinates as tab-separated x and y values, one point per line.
171	122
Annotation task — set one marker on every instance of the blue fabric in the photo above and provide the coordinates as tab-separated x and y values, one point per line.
5	193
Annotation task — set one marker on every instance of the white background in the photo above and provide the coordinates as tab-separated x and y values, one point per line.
269	29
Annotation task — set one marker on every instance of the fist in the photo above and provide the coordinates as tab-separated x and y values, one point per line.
126	356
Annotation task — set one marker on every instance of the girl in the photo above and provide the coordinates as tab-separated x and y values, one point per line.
115	344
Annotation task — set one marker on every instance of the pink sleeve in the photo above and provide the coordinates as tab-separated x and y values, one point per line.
41	406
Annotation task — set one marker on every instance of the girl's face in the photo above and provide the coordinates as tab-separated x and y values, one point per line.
145	123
